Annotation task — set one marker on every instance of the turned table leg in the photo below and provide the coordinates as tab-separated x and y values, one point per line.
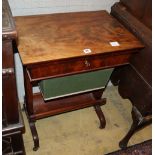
97	95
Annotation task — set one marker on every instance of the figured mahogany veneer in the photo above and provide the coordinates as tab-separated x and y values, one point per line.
53	45
59	36
76	65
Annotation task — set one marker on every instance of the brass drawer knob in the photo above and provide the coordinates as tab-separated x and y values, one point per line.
87	63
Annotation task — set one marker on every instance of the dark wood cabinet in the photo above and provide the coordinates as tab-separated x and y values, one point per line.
12	122
135	80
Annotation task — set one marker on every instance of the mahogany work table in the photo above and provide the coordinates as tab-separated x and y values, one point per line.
53	46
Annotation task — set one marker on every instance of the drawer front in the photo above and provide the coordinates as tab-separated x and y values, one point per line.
74	84
75	65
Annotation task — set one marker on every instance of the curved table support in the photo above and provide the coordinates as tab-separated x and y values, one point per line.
33	130
100	116
138	122
98	95
34	135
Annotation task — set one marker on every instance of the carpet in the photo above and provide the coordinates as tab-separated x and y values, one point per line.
144	148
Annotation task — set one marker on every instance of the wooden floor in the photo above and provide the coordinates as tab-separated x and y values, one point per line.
78	133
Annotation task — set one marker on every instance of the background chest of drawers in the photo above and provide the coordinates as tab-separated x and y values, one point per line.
12	122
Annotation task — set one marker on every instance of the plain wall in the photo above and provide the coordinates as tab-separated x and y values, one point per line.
31	7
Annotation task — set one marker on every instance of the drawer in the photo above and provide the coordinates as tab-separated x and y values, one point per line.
74	84
75	65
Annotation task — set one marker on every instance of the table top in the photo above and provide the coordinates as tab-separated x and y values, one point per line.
51	37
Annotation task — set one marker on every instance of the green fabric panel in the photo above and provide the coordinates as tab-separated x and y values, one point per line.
64	86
